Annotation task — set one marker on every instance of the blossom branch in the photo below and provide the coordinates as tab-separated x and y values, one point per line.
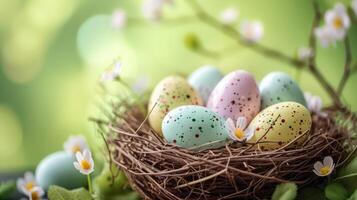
347	69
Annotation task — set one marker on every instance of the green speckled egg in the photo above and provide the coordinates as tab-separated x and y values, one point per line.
279	87
291	120
194	126
169	93
58	169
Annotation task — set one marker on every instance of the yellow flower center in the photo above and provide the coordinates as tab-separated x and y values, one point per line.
29	185
239	133
337	22
325	170
85	165
76	149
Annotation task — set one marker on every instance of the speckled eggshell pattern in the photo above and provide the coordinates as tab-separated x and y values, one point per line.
291	121
193	127
236	95
204	79
171	92
278	87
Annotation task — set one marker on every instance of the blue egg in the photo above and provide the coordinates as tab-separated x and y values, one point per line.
279	87
195	127
204	80
58	169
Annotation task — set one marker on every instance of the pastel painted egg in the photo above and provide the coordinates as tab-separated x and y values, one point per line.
278	87
171	92
194	127
58	169
292	122
204	79
236	95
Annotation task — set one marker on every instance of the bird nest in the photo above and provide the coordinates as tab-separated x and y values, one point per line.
158	170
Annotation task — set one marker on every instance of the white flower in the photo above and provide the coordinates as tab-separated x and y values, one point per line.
113	73
119	19
304	53
239	132
354	6
35	193
324	168
26	183
337	19
326	36
75	144
84	163
229	15
252	31
152	9
141	84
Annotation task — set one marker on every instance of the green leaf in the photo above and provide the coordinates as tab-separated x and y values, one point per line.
353	196
7	188
336	191
285	191
59	193
311	193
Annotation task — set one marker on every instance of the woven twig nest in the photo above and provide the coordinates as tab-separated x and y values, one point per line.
158	170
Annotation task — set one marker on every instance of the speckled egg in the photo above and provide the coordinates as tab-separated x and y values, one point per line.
288	121
58	169
194	127
236	95
278	87
171	92
204	79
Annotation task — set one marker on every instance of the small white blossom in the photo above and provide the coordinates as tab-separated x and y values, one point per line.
324	168
252	31
337	19
119	19
112	73
36	193
354	6
27	183
152	9
325	35
304	53
75	144
141	84
84	163
238	131
229	15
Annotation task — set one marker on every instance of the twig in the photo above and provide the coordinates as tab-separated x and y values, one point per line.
347	69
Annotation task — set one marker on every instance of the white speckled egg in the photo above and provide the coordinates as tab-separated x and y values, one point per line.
204	79
236	95
291	121
169	93
278	87
58	169
193	127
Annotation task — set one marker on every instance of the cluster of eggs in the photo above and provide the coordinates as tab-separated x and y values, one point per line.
192	113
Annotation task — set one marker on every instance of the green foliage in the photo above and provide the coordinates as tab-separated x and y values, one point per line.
353	196
59	193
285	191
336	191
6	189
311	193
350	183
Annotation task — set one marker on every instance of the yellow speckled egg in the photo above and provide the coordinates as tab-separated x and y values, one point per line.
281	124
169	93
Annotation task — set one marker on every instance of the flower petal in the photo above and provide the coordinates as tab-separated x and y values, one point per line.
249	133
29	176
77	166
241	123
328	161
316	172
318	165
230	125
87	154
79	156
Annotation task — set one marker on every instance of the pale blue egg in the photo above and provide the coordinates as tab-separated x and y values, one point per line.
279	87
195	127
204	79
58	169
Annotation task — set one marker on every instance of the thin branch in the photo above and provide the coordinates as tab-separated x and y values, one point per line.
347	69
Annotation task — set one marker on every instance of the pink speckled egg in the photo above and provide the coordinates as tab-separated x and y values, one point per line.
236	95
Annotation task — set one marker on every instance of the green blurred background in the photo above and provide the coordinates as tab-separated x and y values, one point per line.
52	53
